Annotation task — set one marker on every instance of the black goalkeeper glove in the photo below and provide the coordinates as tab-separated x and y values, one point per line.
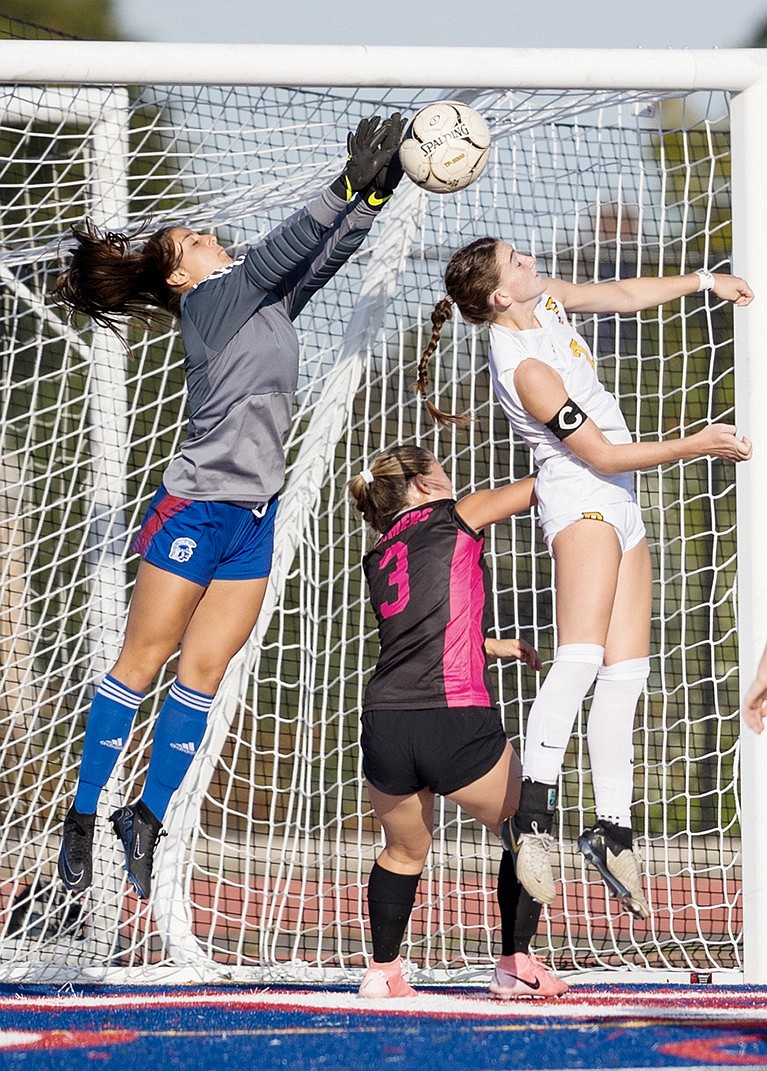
386	180
369	151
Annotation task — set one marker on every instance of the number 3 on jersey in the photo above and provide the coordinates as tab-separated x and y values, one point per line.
398	579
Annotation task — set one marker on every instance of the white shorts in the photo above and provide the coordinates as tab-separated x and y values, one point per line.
625	517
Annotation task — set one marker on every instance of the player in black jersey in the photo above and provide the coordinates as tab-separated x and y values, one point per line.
430	724
206	542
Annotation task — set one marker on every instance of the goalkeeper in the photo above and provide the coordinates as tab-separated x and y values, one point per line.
206	541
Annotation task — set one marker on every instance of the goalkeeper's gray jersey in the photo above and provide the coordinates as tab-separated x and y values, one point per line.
242	352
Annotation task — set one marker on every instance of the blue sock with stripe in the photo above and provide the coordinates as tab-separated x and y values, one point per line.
109	723
180	728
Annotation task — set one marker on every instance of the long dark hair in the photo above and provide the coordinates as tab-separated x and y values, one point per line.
107	279
472	274
381	498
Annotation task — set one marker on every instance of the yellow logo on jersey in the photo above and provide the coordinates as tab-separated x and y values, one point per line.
592	516
551	306
581	351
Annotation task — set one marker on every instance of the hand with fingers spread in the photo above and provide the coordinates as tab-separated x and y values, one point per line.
388	177
371	148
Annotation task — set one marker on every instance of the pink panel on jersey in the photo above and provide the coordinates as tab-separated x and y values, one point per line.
463	660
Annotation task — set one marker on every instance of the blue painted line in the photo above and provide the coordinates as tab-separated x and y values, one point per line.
172	1033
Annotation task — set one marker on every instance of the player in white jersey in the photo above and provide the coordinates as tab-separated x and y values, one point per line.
546	382
566	486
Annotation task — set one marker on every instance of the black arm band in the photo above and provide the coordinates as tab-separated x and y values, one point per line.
567	420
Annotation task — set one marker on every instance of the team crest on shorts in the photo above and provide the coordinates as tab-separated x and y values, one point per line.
592	515
181	550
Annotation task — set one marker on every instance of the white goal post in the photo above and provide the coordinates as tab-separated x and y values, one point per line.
605	163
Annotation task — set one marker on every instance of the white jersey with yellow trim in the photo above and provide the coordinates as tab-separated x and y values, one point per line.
563	480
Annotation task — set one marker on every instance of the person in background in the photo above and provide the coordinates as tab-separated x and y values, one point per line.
755	700
545	380
430	723
206	541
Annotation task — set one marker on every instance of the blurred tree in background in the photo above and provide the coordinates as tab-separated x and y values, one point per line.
760	37
88	19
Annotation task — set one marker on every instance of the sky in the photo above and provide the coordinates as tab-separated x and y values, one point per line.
507	23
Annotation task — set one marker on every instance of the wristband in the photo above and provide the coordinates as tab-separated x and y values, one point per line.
705	279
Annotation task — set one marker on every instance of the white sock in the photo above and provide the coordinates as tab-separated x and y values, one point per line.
556	706
610	737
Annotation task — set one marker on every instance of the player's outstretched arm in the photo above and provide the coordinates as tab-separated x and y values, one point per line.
543	395
632	295
497	504
717	440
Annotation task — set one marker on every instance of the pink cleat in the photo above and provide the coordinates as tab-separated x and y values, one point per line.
521	975
385	980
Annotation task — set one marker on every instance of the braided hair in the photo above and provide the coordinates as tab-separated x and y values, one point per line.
471	276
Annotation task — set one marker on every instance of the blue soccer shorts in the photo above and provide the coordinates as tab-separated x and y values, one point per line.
204	541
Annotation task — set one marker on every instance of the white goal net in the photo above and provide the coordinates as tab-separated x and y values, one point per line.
272	836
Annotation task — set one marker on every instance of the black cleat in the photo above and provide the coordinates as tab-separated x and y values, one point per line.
617	864
76	853
139	831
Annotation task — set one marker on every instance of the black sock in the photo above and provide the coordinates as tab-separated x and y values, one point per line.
537	805
519	912
390	901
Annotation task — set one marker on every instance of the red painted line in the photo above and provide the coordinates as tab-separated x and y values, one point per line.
37	1041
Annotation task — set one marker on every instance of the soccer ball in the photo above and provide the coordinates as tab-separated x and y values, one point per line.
445	147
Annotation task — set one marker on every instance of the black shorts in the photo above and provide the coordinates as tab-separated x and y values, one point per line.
442	748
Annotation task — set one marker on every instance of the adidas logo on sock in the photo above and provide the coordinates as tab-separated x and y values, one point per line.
187	748
115	744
